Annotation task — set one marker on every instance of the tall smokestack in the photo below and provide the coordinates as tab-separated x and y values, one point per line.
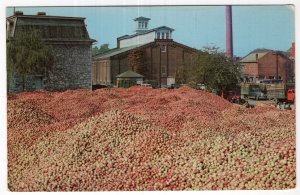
229	43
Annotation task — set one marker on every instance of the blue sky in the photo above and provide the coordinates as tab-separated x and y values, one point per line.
271	27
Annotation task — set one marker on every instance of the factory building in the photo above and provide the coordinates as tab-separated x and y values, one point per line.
263	65
161	55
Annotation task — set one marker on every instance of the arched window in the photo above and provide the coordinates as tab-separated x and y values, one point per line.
163	35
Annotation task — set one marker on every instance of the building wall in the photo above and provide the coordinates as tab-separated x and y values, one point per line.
268	65
102	72
292	58
292	52
250	68
72	68
160	65
141	39
265	68
16	84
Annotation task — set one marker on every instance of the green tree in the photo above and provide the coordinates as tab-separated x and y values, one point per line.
137	60
28	54
182	74
214	70
211	49
103	48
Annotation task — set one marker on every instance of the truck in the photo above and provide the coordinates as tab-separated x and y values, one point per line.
252	90
269	89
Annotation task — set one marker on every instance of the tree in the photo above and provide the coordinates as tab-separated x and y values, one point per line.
103	48
214	70
181	74
28	54
211	49
137	63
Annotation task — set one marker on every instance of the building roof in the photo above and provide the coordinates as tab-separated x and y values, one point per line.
52	28
144	32
141	18
116	51
252	57
46	16
129	74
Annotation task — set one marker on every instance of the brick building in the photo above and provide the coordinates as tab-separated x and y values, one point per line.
292	58
71	46
263	65
162	55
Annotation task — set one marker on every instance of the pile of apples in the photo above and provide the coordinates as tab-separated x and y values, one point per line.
146	139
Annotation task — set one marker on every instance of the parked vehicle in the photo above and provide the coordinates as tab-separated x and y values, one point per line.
252	90
173	86
146	85
291	95
272	90
257	94
233	96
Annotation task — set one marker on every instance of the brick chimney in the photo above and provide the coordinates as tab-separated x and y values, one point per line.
229	42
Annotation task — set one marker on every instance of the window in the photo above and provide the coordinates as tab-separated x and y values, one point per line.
167	35
145	24
163	35
163	70
164	48
158	35
140	24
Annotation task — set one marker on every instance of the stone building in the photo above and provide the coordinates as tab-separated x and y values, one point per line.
71	44
161	54
258	66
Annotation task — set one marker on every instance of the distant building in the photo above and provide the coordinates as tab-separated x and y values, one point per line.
128	79
162	55
263	65
71	45
292	58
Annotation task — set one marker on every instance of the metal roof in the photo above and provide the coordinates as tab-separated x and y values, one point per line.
129	74
252	57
